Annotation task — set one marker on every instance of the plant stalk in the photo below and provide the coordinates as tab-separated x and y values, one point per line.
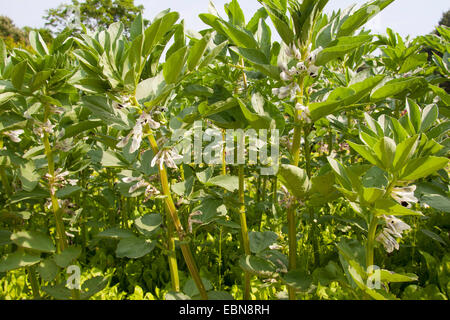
244	228
185	249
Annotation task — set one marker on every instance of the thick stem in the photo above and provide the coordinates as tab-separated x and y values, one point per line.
224	153
187	254
172	257
292	220
34	283
314	232
371	242
244	229
60	229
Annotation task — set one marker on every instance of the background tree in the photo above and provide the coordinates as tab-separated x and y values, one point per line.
445	21
12	35
94	14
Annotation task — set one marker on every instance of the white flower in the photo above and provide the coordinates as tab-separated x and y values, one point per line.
313	56
388	241
137	186
394	228
404	196
147	119
293	52
56	110
304	114
288	91
137	133
64	145
14	135
150	191
130	179
167	157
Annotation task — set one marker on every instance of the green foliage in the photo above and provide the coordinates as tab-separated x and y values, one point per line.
90	134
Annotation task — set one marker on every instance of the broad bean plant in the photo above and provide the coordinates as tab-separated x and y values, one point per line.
294	155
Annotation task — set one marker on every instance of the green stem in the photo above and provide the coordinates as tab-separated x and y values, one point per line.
60	229
371	242
34	283
185	249
244	228
224	153
172	256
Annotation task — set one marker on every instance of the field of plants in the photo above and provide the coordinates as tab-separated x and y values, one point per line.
96	201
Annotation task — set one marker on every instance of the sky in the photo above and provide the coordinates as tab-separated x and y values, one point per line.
407	17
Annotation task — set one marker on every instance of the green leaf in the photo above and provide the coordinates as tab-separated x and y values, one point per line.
298	279
282	25
67	192
445	97
174	65
37	43
17	260
93	286
59	292
366	152
343	98
134	248
433	235
260	241
28	176
385	151
171	295
5	237
429	117
414	114
137	27
341	172
370	195
39	79
148	224
362	16
65	258
340	47
422	167
235	12
388	276
390	207
47	269
257	265
295	180
18	74
196	53
190	288
405	150
437	201
396	87
81	127
33	240
115	233
230	183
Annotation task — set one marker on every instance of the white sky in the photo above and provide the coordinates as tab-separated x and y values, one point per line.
413	17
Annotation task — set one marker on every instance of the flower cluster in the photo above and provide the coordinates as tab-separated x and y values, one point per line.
394	229
14	135
306	67
167	157
137	133
59	180
150	190
41	128
405	196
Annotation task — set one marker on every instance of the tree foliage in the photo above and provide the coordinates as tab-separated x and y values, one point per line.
93	13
